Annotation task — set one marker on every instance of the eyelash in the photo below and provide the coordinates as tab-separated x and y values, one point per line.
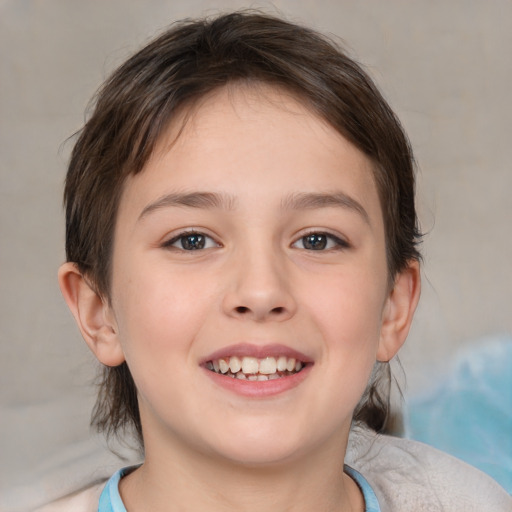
336	242
170	244
339	244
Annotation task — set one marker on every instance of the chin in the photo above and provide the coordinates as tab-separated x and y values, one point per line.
262	447
260	456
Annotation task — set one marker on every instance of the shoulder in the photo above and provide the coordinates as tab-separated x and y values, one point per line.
85	500
408	475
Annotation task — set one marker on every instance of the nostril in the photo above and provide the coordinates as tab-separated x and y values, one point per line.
277	311
242	309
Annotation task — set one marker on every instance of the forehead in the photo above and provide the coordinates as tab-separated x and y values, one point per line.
253	138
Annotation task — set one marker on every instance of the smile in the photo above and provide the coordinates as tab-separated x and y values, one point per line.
255	369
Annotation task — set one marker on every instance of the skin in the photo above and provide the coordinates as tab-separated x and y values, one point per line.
256	282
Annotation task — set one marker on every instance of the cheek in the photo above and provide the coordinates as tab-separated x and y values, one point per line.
159	317
158	312
350	314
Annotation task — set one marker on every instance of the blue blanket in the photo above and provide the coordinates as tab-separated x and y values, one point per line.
470	414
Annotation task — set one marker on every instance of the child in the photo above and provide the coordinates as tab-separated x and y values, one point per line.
242	259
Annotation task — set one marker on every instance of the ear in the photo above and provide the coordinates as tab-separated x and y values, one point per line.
398	311
93	315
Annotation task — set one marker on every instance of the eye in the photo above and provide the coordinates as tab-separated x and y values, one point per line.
191	241
320	242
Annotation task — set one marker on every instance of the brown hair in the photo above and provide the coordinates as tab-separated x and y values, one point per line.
179	67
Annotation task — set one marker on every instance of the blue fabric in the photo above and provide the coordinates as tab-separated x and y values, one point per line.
370	499
110	499
469	413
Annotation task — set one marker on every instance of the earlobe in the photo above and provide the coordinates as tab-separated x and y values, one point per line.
398	311
92	314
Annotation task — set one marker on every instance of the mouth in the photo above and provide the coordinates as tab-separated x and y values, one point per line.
256	369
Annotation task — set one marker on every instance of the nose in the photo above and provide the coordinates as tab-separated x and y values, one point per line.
259	289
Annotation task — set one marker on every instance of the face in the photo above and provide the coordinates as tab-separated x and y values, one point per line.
249	281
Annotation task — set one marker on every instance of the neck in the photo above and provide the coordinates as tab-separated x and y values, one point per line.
169	480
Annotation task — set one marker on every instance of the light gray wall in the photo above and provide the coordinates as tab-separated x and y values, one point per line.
446	68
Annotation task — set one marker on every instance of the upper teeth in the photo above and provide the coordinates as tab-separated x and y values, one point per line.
253	366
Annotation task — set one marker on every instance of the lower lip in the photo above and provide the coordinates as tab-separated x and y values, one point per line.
257	388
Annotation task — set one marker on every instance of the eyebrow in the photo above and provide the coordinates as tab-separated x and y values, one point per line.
311	201
203	200
297	201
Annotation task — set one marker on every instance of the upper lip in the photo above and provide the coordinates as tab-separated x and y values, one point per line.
257	351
